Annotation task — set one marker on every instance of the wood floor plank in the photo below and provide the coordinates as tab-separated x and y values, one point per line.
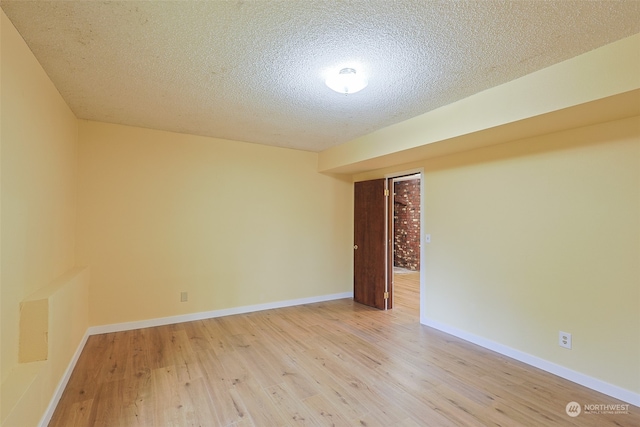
199	337
228	410
254	358
288	405
106	409
259	406
218	337
325	411
289	371
409	404
355	384
78	414
330	363
116	359
138	362
333	389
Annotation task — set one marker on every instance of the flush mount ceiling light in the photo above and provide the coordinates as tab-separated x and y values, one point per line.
346	81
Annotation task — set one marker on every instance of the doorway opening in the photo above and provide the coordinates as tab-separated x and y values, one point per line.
404	241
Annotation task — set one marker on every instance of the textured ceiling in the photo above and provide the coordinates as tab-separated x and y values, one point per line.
254	70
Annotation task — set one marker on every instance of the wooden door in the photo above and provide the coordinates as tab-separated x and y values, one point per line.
369	250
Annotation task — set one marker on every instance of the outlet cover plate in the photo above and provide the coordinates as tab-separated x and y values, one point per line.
564	339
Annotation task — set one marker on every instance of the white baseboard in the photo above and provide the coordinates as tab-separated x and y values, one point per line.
127	326
62	384
566	373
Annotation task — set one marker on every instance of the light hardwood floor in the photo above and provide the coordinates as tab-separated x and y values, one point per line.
335	363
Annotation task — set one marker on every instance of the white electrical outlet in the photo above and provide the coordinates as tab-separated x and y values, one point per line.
184	296
564	340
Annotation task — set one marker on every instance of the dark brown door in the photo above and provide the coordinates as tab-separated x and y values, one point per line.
369	255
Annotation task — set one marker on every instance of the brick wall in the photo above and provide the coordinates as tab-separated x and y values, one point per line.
406	225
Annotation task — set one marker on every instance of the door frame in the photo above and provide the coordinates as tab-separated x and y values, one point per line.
389	235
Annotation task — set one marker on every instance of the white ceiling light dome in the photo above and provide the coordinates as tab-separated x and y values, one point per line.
346	81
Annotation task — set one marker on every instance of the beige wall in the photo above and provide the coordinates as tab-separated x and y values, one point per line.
541	235
39	164
39	138
232	224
